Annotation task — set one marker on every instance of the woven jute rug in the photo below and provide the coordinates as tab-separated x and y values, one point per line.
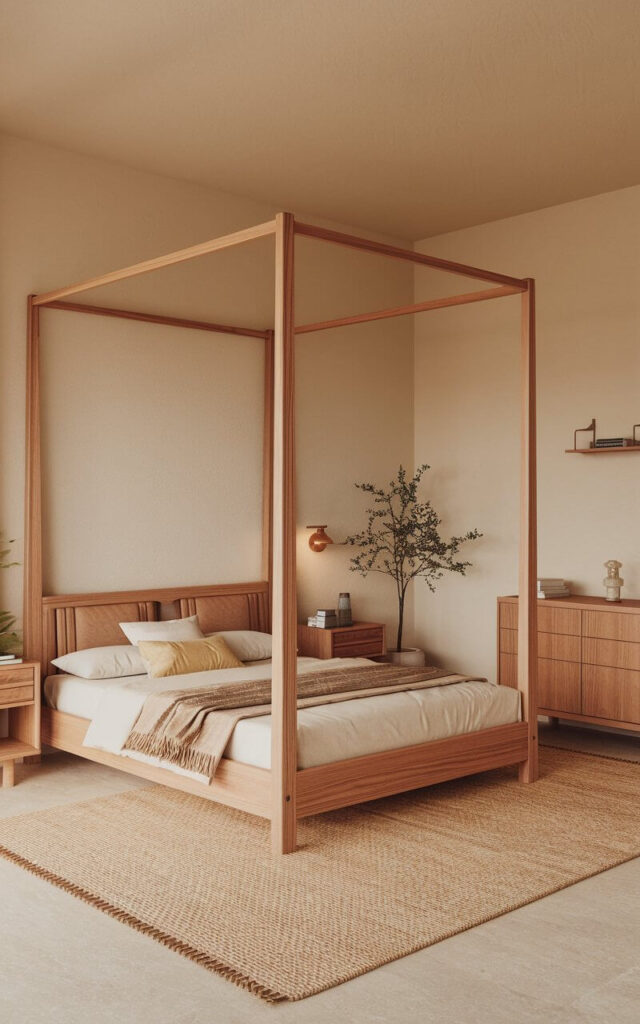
369	884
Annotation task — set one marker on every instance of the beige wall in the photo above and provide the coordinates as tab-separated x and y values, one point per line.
585	258
153	435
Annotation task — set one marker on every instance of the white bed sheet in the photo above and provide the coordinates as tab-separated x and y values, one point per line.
332	732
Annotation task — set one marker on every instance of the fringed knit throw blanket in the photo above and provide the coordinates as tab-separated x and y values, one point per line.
191	728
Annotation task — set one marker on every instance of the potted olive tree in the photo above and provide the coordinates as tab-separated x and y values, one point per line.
402	540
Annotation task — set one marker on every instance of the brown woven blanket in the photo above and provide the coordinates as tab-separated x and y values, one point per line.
191	728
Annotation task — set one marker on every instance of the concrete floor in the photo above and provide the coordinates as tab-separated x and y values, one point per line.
571	958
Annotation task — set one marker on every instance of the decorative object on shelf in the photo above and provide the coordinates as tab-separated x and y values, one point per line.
401	540
604	444
319	539
613	581
9	637
614	442
552	586
344	610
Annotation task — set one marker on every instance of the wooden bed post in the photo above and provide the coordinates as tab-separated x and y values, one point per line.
32	606
284	622
267	462
527	605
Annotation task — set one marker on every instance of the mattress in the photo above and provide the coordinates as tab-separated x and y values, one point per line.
333	732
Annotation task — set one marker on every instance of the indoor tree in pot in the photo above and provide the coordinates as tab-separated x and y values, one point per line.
401	540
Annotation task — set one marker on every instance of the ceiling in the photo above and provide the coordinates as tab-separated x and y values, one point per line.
408	117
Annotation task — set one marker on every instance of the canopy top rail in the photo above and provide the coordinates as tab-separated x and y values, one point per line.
382	249
159	262
153	318
506	285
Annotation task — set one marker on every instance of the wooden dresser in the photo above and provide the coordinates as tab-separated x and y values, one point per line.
588	658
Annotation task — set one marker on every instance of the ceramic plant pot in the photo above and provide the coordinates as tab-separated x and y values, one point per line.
408	657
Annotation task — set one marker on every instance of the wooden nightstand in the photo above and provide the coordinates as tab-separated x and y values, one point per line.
361	640
20	699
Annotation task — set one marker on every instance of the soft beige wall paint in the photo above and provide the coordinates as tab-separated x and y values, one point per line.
585	257
161	483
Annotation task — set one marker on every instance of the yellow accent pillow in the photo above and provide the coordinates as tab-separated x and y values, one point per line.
179	657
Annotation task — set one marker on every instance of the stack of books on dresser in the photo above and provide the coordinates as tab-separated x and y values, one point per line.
550	586
10	659
325	618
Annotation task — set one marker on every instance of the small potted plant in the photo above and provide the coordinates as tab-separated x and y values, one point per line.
401	540
9	638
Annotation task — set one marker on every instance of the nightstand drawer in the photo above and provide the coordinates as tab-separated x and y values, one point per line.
355	649
12	676
10	695
363	639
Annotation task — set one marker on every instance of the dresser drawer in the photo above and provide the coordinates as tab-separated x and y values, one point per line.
558	682
558	620
16	694
612	626
509	614
559	685
556	646
611	653
508	641
508	670
611	693
550	620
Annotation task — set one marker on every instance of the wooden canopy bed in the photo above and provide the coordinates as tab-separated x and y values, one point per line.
54	625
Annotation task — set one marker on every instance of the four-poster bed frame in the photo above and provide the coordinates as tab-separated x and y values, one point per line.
54	624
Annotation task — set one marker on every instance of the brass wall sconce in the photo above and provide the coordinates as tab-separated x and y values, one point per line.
319	539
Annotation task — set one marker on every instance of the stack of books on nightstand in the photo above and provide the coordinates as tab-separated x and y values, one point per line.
325	618
10	659
549	586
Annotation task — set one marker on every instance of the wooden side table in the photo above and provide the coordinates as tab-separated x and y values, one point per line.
361	640
20	698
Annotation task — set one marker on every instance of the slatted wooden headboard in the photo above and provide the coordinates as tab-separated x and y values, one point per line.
73	622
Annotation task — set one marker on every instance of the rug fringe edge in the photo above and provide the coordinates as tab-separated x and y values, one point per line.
176	945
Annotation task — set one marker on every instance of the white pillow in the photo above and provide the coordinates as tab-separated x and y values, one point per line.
247	644
173	629
102	662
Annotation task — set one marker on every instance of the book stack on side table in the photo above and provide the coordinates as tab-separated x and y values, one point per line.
10	659
325	618
550	586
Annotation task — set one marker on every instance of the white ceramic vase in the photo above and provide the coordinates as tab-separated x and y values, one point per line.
409	657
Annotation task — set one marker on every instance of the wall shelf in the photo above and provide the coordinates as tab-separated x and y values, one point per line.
601	451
